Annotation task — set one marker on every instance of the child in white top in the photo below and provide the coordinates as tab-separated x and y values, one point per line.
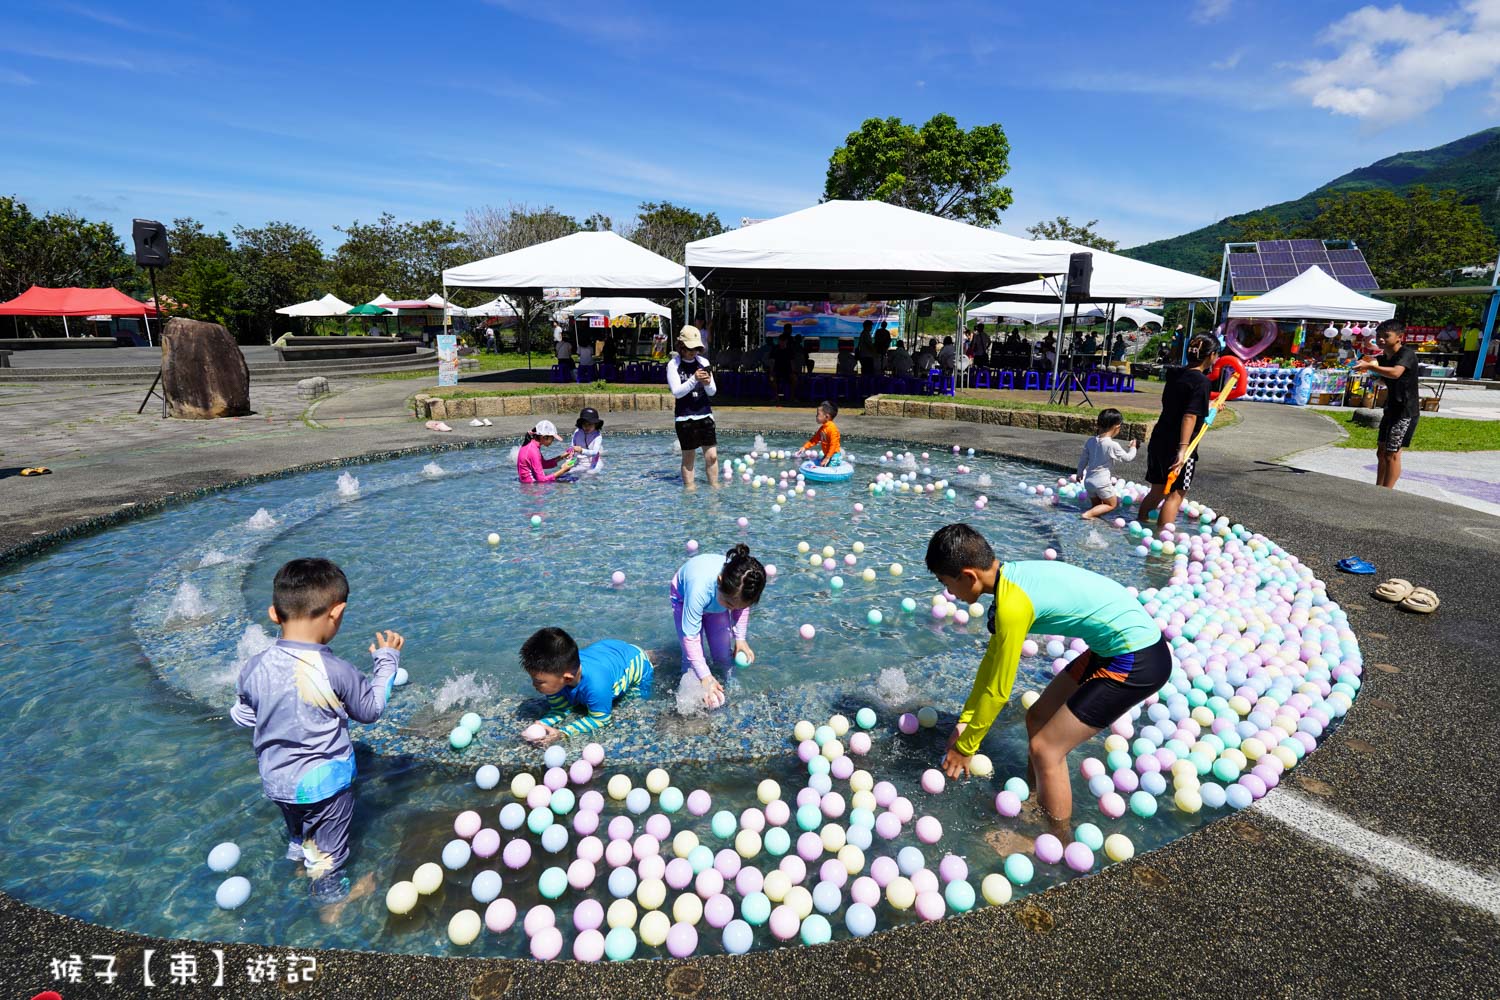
588	440
1100	452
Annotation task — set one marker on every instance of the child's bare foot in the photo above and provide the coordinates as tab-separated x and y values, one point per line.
363	887
1007	841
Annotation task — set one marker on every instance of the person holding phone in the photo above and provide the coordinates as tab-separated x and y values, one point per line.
691	379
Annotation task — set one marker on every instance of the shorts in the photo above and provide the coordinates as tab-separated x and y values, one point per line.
1110	686
1396	431
321	829
1158	467
697	433
1101	492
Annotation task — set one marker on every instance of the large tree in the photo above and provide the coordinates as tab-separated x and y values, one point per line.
1410	240
59	250
1062	228
202	281
279	264
402	259
667	229
490	231
938	168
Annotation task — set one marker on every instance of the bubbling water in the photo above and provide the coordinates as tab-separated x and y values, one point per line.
213	557
348	486
187	604
432	470
261	520
463	689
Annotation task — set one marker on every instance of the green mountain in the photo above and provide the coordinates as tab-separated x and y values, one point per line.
1470	165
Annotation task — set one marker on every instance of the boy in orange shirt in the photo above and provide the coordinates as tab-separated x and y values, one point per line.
827	435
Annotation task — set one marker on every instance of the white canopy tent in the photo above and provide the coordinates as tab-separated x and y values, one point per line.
328	305
1116	278
381	300
594	263
498	306
865	248
613	306
1313	294
1140	317
1032	313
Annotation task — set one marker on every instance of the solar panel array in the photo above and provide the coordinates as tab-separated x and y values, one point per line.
1275	262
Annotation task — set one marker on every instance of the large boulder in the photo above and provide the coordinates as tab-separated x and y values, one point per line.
203	371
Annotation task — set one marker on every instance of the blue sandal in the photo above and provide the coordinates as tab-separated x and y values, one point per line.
1355	565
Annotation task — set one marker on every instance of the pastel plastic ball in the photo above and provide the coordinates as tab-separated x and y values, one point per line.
932	782
718	911
995	889
617	787
901	894
654	928
226	855
930	906
538	819
500	915
232	892
553	756
580	772
487	777
459	737
638	800
868	575
427	878
747	844
896	569
1117	847
456	854
1090	835
807	631
1143	804
552	883
401	897
755	908
619	944
464	926
692	545
929	830
493	538
657	780
907	723
981	766
859	918
927	717
768	791
486	843
1008	803
515	854
1019	869
1049	850
536	520
1078	856
588	946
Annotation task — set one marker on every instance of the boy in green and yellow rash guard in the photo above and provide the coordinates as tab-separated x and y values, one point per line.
1126	662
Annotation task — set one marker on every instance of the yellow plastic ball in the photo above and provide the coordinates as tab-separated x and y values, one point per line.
863	800
852	858
768	791
858	547
1117	847
900	893
621	913
995	889
1188	781
687	909
657	780
1285	754
976	610
938	600
839	724
1203	715
896	569
1029	698
747	844
833	838
803	547
463	927
651	893
861	781
1188	800
833	749
522	784
981	766
618	787
776	885
1236	758
1240	705
1182	767
828	551
401	897
799	900
1114	741
1253	749
428	878
815	560
927	717
684	842
803	731
868	575
654	927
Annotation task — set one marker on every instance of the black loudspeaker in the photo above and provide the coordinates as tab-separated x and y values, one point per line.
1080	272
151	248
924	307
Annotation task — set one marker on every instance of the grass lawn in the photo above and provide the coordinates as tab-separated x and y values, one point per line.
1226	417
1433	434
541	389
487	363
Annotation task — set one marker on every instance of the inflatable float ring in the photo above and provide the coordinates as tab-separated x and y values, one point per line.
1235	365
826	473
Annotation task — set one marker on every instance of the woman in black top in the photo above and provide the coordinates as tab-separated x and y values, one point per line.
1184	407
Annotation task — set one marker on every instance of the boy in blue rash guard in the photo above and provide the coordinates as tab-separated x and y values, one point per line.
1127	659
588	679
299	698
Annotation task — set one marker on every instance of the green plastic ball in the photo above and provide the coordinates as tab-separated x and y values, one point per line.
460	738
552	883
724	824
865	717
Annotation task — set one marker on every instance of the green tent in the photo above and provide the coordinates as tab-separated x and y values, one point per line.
368	310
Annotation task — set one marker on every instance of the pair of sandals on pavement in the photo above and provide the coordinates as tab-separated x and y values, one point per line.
1401	593
437	425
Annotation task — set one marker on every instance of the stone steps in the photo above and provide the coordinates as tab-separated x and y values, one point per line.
289	371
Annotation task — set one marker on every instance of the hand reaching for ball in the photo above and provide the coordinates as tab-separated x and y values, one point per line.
389	639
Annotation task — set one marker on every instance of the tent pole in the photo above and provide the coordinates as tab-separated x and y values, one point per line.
66	332
958	342
1062	312
1192	318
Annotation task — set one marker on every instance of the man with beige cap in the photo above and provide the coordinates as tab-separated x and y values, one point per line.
691	379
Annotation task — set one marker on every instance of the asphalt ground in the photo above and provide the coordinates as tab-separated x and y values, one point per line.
1370	872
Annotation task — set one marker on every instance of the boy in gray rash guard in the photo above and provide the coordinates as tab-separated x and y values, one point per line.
299	698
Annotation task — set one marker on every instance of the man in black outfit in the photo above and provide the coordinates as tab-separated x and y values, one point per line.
1397	364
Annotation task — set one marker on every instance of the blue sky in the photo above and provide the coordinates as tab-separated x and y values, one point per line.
1155	119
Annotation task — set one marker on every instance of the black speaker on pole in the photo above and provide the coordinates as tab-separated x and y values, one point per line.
1080	273
151	248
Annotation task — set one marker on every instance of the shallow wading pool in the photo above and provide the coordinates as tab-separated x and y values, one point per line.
122	648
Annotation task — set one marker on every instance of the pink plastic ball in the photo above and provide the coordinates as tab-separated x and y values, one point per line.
581	874
770	570
833	872
500	915
617	578
621	828
594	754
728	862
718	910
859	508
929	830
753	819
885	794
588	915
793	868
538	918
692	545
923	880
486	843
538	797
749	880
832	805
555	778
842	767
698	802
1008	803
859	743
808	797
933	781
811	494
807	631
679	873
654	867
1049	850
810	846
580	771
585	823
1112	805
547	944
618	853
1029	647
829	564
784	923
591	849
907	723
930	906
953	868
903	809
467	824
778	813
659	827
645	846
708	883
588	946
866	890
888	825
807	750
516	854
884	870
1091	767
1078	856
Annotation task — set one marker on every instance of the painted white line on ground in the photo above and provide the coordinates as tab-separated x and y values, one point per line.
1462	885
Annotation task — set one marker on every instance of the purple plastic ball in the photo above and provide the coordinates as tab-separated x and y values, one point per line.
1049	850
699	802
1008	803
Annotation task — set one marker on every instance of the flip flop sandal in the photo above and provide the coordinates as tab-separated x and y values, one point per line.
37	470
1422	601
1394	590
1356	565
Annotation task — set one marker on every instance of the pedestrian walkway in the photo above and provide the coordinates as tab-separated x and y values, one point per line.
1467	478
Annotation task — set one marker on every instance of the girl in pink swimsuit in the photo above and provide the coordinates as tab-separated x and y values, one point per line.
531	466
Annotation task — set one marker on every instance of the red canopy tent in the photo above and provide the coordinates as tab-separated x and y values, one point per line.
65	302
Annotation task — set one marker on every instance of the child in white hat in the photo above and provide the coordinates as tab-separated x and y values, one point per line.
531	465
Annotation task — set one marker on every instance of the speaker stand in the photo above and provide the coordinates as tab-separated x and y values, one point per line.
1067	382
156	299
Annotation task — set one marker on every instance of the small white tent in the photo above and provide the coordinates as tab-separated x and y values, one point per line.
612	307
1028	312
1313	294
328	305
594	263
498	306
1140	317
1116	278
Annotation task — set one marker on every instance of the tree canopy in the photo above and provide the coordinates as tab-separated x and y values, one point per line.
59	250
938	168
666	229
1062	228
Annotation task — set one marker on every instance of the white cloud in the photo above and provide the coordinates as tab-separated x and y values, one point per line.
1206	11
1393	64
1228	62
15	78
